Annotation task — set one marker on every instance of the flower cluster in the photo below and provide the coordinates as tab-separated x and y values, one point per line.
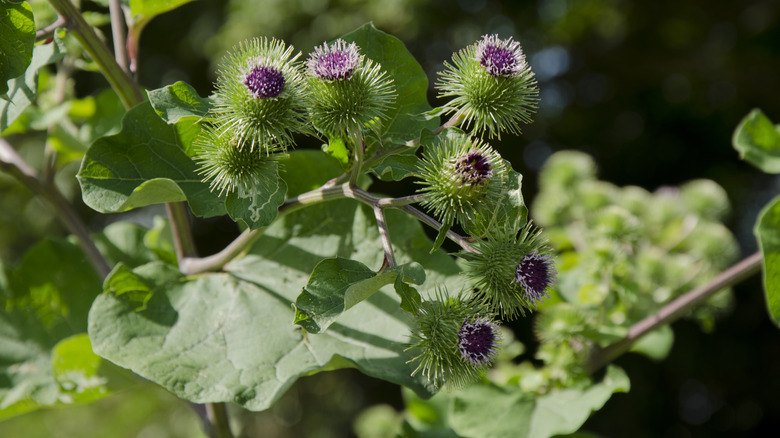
456	340
491	85
461	178
511	272
349	93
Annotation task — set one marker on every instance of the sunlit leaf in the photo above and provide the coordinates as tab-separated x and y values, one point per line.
768	233
17	37
758	141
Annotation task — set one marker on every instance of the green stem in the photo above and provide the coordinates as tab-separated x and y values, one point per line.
218	417
128	91
195	265
674	310
13	164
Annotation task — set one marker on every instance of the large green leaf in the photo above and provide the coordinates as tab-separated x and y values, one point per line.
337	284
230	336
17	37
46	300
490	411
768	234
23	89
758	141
146	163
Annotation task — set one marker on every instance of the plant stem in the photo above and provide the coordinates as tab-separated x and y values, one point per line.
384	235
674	310
180	228
119	35
13	164
195	265
218	417
125	87
48	31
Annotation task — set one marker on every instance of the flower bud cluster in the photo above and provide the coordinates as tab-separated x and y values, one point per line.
264	96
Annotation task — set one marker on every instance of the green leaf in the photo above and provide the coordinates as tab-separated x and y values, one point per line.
259	208
509	211
757	140
337	284
490	411
337	149
179	101
656	344
82	375
397	166
46	300
150	8
230	337
441	236
768	233
17	37
123	242
146	163
22	90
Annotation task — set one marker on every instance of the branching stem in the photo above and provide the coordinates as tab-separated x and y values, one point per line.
674	310
13	164
127	89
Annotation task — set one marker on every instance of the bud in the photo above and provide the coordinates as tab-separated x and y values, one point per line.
349	93
492	86
456	340
224	165
261	96
461	178
511	272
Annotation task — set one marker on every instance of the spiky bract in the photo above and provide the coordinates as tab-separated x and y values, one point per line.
445	328
227	167
502	258
351	98
492	86
461	178
261	96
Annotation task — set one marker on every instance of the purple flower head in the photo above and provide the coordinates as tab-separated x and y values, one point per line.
477	341
335	62
536	273
500	57
474	167
264	82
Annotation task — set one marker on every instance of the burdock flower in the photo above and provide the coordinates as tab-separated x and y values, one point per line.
335	62
227	167
477	341
456	340
261	96
492	86
511	272
349	92
461	178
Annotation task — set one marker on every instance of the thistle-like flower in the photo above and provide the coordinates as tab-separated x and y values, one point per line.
226	166
491	85
456	340
511	272
349	92
261	96
461	178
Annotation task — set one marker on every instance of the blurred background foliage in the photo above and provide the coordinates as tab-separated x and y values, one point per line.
652	90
